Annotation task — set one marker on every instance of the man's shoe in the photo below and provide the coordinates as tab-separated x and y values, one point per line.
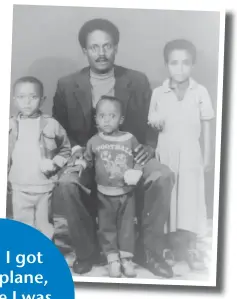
70	258
158	266
99	259
81	267
169	257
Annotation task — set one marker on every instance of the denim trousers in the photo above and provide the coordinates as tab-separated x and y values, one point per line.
152	204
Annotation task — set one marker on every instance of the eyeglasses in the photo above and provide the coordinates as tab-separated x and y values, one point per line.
29	97
95	49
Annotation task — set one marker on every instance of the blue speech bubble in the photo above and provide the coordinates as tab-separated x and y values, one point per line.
31	266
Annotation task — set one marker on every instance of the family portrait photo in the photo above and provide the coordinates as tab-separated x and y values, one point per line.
115	137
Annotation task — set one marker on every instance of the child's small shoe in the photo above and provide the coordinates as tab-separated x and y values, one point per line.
128	267
114	269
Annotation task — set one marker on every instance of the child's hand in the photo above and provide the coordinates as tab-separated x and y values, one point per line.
160	125
132	176
77	155
156	123
47	166
78	168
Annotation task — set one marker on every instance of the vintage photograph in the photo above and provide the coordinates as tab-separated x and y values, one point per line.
114	139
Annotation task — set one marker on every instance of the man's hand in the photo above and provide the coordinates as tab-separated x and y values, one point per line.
76	156
143	153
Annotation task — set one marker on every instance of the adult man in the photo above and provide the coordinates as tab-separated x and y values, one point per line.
74	102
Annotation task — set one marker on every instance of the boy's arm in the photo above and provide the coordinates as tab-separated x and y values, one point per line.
12	137
63	144
9	145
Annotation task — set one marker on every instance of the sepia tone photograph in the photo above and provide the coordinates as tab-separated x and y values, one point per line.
114	139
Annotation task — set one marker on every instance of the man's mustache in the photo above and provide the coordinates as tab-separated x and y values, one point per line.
102	59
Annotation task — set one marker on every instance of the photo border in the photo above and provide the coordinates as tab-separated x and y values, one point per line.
158	281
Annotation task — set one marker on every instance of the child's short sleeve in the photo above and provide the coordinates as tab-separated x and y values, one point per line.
205	105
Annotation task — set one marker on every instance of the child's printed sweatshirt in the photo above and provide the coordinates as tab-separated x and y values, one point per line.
111	156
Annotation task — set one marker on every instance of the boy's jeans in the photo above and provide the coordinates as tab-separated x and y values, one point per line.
116	225
153	197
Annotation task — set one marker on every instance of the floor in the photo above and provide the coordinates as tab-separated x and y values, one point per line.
180	269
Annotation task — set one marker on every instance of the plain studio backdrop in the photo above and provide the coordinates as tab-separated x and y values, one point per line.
45	45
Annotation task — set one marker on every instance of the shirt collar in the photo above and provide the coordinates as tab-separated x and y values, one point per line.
105	76
35	115
167	88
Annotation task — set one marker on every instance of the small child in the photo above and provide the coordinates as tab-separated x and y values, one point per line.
180	109
111	153
38	148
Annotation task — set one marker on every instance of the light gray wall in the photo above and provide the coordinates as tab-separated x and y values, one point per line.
45	43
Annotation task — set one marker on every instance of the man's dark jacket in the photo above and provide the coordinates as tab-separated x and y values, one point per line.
72	106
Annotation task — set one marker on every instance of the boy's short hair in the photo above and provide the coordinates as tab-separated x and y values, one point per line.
113	100
180	44
98	24
29	79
